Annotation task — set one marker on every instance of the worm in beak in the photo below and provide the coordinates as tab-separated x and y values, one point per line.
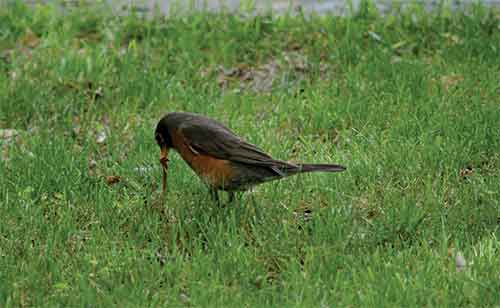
164	164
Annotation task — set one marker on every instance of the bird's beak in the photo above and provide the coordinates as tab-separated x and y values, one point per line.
164	157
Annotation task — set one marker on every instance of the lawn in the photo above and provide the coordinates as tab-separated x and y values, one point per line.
409	103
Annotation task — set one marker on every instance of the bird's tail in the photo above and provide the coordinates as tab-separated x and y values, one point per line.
319	167
284	169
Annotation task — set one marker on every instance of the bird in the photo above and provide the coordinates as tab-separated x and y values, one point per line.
222	159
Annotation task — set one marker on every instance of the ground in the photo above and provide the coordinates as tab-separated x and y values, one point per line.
409	103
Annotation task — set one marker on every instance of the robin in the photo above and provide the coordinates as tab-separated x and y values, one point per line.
219	157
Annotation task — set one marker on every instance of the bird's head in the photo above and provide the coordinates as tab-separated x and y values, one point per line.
164	140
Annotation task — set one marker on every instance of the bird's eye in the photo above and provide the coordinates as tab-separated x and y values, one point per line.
159	139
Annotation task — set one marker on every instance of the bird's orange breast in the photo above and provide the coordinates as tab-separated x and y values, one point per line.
216	172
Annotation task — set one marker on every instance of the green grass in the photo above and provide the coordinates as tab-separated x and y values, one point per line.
410	104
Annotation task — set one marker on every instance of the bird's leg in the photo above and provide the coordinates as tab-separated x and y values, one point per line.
255	207
215	195
231	197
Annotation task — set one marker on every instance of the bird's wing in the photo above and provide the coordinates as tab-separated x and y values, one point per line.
218	141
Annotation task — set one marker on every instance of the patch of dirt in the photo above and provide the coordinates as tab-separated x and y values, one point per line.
449	82
289	69
7	137
113	179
